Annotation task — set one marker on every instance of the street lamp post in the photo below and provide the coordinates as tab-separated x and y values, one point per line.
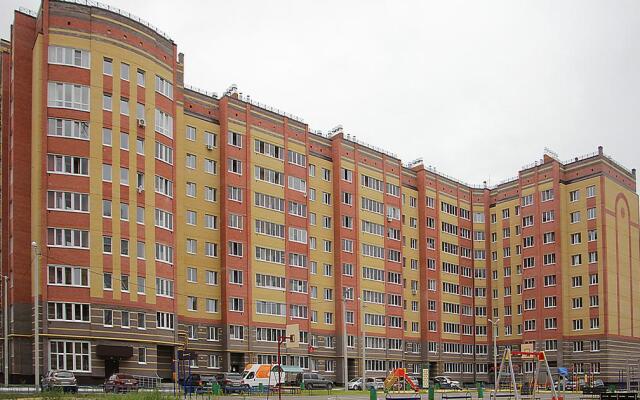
344	342
5	281
364	367
494	327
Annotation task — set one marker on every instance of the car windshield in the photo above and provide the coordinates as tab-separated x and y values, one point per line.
63	374
233	376
123	376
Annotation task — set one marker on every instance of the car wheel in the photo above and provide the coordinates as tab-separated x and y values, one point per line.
310	386
329	386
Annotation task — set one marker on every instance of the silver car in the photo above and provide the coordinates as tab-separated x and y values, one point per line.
356	384
59	380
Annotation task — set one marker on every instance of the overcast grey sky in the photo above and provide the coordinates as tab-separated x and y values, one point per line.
476	88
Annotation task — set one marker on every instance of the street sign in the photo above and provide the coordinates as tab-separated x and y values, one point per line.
187	355
293	334
425	378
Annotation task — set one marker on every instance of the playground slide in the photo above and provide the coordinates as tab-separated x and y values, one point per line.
395	375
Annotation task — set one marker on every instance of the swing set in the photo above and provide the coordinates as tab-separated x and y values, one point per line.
506	371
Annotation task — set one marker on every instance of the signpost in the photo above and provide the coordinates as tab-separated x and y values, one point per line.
292	333
425	378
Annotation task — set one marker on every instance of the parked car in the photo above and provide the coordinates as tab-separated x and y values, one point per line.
231	382
313	380
193	383
59	380
447	383
356	384
121	383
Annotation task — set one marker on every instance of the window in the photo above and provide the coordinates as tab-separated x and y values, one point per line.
574	195
140	146
191	189
64	275
107	281
164	320
124	106
211	193
235	249
72	356
164	153
164	253
210	249
234	166
68	128
164	123
546	195
107	102
236	304
68	95
574	217
297	184
191	217
192	275
211	277
67	237
142	284
69	312
140	75
124	176
164	87
139	215
591	191
164	287
192	305
142	355
68	165
163	186
591	213
67	201
190	161
268	175
234	139
210	166
191	133
107	317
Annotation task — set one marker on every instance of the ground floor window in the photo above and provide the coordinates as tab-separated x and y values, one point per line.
70	355
214	361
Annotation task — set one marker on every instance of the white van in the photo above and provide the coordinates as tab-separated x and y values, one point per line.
265	374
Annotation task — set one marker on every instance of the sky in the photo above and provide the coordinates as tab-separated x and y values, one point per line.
476	88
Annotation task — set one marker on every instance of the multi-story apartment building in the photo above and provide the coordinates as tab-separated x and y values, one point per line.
168	218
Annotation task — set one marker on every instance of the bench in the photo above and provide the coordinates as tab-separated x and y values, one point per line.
619	396
501	395
291	389
451	396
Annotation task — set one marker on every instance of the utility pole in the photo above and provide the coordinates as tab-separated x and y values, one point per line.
36	315
364	367
494	329
345	375
6	329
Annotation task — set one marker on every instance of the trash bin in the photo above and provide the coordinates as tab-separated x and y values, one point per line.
432	393
301	385
215	389
373	395
260	388
480	390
